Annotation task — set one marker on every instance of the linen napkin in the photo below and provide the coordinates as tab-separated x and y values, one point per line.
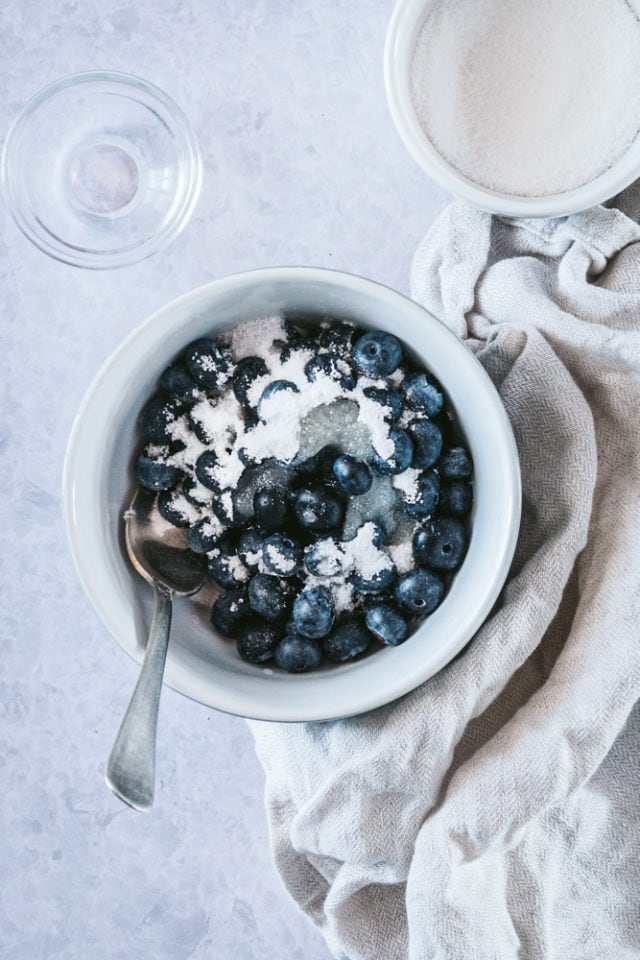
493	812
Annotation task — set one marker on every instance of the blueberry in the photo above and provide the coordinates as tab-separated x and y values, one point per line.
422	394
257	640
318	509
205	470
353	475
348	639
158	417
376	534
174	508
400	459
387	624
376	582
387	397
271	507
332	366
313	611
455	498
427	443
286	348
245	457
297	654
174	446
250	547
198	417
318	365
222	507
455	464
230	611
250	421
426	499
299	337
324	558
155	475
225	566
377	354
338	337
276	386
246	372
295	323
320	465
270	596
282	555
203	536
208	364
419	592
195	493
440	544
180	384
265	476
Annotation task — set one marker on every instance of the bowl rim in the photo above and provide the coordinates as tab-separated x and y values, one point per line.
179	676
38	233
397	67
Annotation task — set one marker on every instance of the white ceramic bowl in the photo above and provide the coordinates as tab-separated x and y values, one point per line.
98	484
406	22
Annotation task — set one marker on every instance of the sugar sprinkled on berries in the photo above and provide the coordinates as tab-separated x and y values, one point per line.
305	463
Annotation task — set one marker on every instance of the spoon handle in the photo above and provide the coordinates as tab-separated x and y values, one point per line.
132	765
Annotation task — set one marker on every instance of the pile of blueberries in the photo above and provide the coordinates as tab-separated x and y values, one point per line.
269	559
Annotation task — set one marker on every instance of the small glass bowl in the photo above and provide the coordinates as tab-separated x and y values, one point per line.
101	170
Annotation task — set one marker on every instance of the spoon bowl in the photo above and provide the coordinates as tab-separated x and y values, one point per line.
159	551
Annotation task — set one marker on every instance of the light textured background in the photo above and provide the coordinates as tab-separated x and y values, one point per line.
302	166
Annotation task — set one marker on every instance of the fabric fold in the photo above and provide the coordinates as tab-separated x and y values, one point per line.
491	812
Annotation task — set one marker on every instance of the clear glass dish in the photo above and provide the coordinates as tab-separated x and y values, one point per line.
101	170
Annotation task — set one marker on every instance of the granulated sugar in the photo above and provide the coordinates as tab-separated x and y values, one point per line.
264	434
529	97
407	483
293	422
311	412
342	559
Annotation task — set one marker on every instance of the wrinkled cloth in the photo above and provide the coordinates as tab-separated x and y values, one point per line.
493	812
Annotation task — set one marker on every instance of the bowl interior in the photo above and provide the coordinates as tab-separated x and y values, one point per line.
98	483
406	22
101	169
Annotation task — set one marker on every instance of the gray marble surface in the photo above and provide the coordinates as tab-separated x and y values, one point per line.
301	166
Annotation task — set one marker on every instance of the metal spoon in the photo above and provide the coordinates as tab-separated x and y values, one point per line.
160	554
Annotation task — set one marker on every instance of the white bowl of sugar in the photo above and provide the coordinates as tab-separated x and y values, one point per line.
525	109
98	485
